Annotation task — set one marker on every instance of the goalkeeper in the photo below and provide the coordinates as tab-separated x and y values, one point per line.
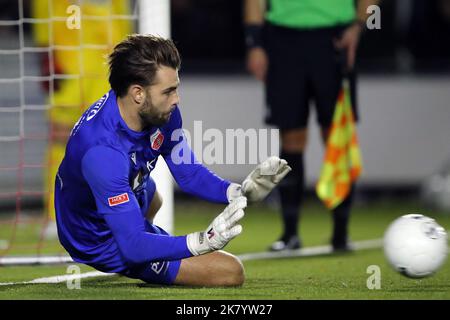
105	199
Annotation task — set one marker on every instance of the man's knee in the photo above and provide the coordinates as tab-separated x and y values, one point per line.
215	269
225	270
236	274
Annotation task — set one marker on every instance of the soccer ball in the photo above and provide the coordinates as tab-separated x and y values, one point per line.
415	245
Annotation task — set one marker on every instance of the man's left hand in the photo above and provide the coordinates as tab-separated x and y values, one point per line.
264	178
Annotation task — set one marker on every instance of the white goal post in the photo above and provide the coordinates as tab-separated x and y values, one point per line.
154	18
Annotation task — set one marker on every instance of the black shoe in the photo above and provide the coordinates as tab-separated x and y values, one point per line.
340	242
293	243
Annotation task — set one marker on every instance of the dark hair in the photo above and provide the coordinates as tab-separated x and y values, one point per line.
136	59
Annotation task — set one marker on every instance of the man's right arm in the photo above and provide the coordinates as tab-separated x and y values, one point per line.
106	171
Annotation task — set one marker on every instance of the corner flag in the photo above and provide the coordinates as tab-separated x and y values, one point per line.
342	163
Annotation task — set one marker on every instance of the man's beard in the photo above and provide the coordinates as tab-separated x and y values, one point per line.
149	117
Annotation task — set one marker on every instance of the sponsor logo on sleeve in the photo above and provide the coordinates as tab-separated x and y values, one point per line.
119	199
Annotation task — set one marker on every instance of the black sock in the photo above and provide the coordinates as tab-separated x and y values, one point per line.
341	217
291	192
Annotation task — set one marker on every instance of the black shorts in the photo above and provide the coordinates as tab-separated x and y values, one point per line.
304	66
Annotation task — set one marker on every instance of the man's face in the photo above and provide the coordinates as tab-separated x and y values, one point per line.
161	98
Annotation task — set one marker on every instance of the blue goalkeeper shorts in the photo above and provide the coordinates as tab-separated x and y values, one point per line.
157	272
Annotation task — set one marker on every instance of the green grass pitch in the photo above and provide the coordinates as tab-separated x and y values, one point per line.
334	276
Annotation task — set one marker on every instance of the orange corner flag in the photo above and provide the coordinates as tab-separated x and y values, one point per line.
342	163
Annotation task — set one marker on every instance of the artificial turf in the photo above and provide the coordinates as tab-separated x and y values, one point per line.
333	276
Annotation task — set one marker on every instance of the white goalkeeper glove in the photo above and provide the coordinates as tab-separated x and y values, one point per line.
261	180
223	229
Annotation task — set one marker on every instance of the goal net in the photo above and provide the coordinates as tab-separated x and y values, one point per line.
53	62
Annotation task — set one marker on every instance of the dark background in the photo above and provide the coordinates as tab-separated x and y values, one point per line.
414	36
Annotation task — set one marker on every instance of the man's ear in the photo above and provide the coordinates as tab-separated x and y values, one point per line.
137	94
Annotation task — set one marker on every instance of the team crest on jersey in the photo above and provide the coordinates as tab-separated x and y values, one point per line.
119	199
156	140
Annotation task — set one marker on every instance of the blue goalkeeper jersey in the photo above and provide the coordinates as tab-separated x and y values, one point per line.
102	177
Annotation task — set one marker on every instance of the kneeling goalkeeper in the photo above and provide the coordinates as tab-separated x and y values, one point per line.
105	199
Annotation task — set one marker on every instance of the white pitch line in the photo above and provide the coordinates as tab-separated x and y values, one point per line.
311	251
16	261
62	278
305	252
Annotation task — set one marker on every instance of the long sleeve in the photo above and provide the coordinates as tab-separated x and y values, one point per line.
193	177
138	246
